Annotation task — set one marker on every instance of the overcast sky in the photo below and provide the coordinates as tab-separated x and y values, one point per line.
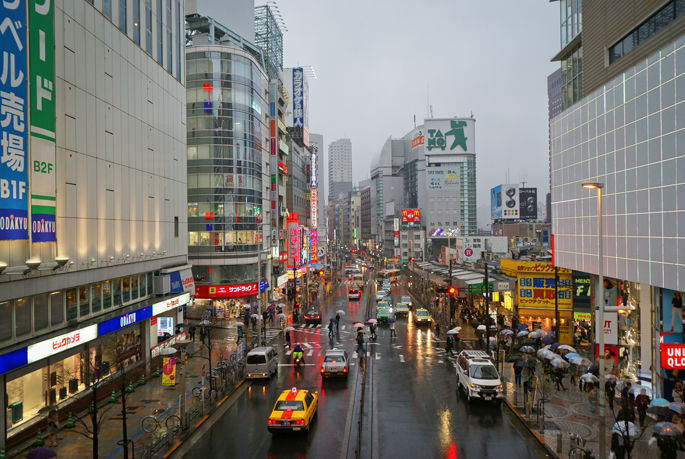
375	58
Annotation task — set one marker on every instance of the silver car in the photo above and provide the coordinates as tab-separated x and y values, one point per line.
335	363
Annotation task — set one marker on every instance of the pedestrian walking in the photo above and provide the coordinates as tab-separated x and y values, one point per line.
254	324
330	329
202	334
517	374
677	393
668	446
559	374
392	330
627	400
592	397
525	379
53	426
240	335
437	330
610	391
642	402
337	322
361	351
618	446
448	347
192	333
287	339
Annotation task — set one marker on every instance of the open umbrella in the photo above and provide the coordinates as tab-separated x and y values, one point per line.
622	428
542	352
589	377
527	349
535	334
280	315
580	361
168	351
566	347
522	333
514	358
555	346
332	319
547	339
667	429
522	327
390	321
570	355
271	307
239	324
362	331
41	453
659	402
635	390
288	329
678	407
525	363
559	363
255	316
552	356
453	332
372	320
482	327
660	411
358	325
528	341
281	305
340	311
506	332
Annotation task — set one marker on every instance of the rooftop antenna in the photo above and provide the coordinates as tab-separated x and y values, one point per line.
523	178
427	102
414	121
431	111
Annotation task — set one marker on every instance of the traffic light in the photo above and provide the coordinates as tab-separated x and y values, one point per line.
321	272
452	290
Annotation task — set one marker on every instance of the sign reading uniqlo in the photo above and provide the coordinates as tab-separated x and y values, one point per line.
672	356
14	222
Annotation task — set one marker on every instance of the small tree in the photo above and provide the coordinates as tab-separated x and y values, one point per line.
623	417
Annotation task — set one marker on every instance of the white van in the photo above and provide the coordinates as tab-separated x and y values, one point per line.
261	362
478	377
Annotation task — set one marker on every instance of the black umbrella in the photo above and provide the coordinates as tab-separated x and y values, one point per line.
555	346
528	341
41	453
593	368
660	411
514	358
523	364
333	319
547	339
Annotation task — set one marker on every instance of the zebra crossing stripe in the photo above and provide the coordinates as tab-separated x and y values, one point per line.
290	351
401	358
309	354
307	345
343	327
378	355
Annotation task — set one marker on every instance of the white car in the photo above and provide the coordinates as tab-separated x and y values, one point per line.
335	363
478	377
406	299
380	294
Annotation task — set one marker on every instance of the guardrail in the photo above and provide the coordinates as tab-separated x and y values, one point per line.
362	363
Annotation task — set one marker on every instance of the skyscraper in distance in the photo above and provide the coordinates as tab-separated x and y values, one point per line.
339	168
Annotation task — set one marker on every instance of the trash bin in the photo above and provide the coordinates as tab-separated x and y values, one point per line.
17	412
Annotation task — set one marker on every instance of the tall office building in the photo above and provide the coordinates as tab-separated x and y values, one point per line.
339	168
553	109
105	213
626	133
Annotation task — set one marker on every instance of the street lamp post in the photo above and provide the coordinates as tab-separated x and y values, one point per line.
599	324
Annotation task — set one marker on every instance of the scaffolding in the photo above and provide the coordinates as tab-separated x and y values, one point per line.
269	37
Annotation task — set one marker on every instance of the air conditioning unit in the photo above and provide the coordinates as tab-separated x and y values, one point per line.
161	285
534	241
526	240
517	240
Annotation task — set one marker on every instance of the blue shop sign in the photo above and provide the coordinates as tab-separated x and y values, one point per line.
263	285
117	323
13	360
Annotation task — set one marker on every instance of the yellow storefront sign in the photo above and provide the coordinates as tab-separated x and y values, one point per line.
537	294
169	374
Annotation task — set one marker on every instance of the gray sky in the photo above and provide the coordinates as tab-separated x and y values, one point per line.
375	58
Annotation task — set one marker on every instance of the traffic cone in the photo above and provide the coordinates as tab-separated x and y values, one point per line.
130	387
70	424
113	398
39	440
142	380
157	373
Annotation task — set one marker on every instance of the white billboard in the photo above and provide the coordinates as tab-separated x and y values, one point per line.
450	136
510	202
472	248
442	178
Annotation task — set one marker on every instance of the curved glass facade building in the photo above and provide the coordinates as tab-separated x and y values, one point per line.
226	120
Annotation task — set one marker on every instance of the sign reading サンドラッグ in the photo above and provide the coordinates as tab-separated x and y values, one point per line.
13	174
450	136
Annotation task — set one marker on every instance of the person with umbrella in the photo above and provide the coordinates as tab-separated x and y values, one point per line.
191	332
330	328
642	402
237	341
202	334
627	400
360	343
517	374
337	321
559	374
392	328
479	334
448	345
665	434
287	338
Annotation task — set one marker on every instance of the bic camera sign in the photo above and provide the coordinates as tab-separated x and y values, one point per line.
450	136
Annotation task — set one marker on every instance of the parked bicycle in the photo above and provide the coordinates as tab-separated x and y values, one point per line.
151	423
578	449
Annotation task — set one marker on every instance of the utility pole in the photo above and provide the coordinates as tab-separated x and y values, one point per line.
487	289
556	302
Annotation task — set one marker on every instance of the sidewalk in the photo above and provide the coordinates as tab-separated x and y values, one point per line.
568	412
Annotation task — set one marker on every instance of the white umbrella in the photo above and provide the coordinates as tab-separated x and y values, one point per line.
340	311
256	316
281	315
239	324
168	351
506	332
543	352
589	377
527	349
635	390
482	327
535	334
580	361
552	356
281	305
621	429
521	334
558	363
566	347
453	332
288	329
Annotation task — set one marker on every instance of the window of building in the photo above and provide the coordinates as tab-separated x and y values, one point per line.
126	297
22	316
160	33
6	325
96	297
148	27
134	287
122	15
178	40
107	8
72	304
40	311
169	41
149	284
116	292
136	21
106	295
175	226
143	283
56	308
84	300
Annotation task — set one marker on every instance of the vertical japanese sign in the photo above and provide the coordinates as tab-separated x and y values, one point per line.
169	375
313	245
42	65
298	97
13	173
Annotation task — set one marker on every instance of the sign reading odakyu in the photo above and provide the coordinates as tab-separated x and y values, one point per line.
450	136
14	223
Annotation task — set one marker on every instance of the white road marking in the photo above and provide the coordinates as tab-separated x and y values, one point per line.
309	354
440	361
351	363
307	345
343	327
368	354
401	358
290	351
397	347
355	356
378	355
292	364
318	326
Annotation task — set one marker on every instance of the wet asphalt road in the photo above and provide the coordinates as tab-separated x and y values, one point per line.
419	413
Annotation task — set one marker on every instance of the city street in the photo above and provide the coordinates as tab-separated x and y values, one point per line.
415	409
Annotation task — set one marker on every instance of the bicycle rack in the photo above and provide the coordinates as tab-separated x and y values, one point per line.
540	412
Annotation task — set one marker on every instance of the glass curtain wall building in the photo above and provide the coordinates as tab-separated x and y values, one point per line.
227	108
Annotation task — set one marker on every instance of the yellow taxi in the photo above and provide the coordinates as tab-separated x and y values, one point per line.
402	309
294	411
422	317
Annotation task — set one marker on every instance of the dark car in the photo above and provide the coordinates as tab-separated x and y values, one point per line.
313	316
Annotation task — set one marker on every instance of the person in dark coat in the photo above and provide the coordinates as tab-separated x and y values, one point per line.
610	391
202	334
287	339
191	331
